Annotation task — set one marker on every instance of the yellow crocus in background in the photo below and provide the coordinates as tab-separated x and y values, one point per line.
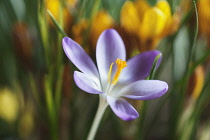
101	21
204	18
9	105
149	23
79	29
152	24
196	82
129	17
54	7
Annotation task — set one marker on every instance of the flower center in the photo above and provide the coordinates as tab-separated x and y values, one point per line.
120	66
112	82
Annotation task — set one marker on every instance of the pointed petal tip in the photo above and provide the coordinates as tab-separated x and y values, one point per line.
130	118
155	53
110	35
122	108
161	93
145	90
66	43
65	40
109	30
79	57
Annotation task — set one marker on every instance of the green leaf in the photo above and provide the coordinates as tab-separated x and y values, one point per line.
152	72
57	24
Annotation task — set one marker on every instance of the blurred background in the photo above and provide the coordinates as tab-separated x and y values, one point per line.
38	97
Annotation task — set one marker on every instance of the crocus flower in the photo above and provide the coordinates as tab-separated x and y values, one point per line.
9	105
114	82
148	23
196	82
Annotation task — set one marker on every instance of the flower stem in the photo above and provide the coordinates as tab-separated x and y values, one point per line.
100	111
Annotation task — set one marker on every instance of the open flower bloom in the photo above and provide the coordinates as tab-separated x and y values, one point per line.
149	23
196	82
115	79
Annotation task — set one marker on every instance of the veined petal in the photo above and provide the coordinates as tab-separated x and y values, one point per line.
79	57
86	83
139	67
122	108
144	90
109	47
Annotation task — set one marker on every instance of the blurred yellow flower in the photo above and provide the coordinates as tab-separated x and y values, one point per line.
152	24
26	122
196	82
204	18
9	105
54	7
149	23
141	6
100	22
129	17
79	29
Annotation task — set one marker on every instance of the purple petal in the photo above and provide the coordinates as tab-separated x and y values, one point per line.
144	90
86	83
79	57
122	108
109	47
139	67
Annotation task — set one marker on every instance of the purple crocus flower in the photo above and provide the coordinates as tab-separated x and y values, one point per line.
114	82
